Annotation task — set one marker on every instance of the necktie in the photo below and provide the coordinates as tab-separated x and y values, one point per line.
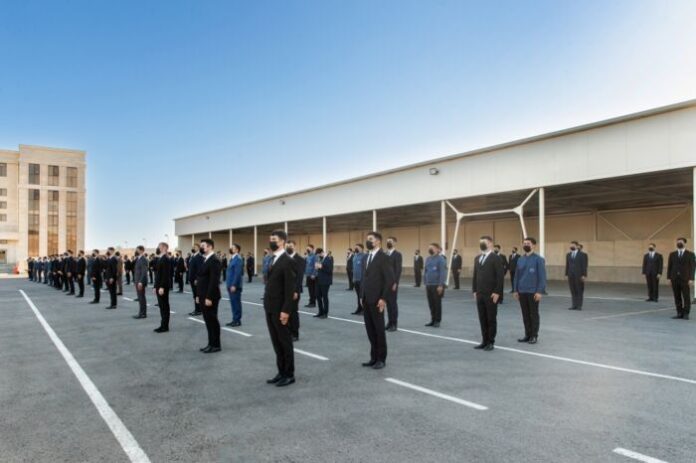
369	260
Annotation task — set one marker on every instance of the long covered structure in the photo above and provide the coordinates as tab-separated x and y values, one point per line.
613	185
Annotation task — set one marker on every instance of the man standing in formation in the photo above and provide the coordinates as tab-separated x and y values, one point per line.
376	288
250	265
80	268
504	261
111	274
392	303
435	276
140	279
95	276
194	267
530	284
208	294
278	305
180	269
576	272
680	272
417	268
487	285
299	266
162	285
311	275
349	269
514	257
653	265
70	267
324	280
234	277
456	267
358	267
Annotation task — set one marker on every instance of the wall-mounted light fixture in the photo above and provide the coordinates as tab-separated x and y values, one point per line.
282	202
434	171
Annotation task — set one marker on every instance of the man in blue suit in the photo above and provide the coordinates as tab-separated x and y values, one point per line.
358	257
324	267
233	283
311	275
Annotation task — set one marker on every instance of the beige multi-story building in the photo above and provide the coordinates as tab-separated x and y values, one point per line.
42	203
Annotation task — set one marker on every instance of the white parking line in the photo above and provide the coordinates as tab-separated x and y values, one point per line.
309	354
440	395
637	456
224	328
623	314
121	433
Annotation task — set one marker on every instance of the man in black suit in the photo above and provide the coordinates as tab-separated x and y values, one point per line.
680	272
250	266
208	294
456	267
180	268
110	274
653	265
278	303
487	287
417	268
95	275
375	289
70	267
299	266
162	285
140	268
503	259
80	267
576	272
392	302
512	263
194	267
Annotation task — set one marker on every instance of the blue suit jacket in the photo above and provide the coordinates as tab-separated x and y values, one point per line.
325	273
235	271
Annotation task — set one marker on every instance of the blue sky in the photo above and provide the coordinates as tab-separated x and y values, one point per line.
277	96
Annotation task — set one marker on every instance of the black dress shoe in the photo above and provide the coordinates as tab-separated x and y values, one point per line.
685	317
119	294
323	317
371	363
79	295
94	302
110	307
295	338
317	315
571	308
480	346
310	305
677	317
212	350
285	381
204	348
430	324
648	300
229	324
275	379
357	312
436	325
489	347
533	340
392	328
70	294
139	316
194	313
160	330
379	365
524	339
236	324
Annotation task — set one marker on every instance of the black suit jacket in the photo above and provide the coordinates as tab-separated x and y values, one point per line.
654	266
397	264
195	266
418	262
378	278
576	267
457	262
208	280
81	266
512	263
489	277
681	269
111	268
299	267
163	276
97	267
503	259
281	283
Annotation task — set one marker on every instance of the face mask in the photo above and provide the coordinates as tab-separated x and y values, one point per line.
369	245
431	252
157	252
356	250
680	245
290	250
573	248
527	248
389	245
309	251
497	251
483	246
273	245
137	253
651	249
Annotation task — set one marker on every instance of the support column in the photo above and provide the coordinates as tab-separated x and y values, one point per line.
193	240
256	245
323	233
542	222
231	238
443	227
286	228
210	235
374	219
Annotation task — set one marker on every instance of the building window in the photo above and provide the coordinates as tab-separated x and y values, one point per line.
34	196
3	191
53	175
34	174
3	204
72	177
3	217
71	220
53	197
3	169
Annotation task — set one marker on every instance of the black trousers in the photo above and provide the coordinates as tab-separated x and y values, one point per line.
434	303
350	280
97	289
530	314
374	325
71	284
81	285
142	300
455	275
150	274
212	324
356	286
294	322
682	296
418	274
512	280
196	306
180	281
282	344
577	290
653	286
250	273
112	292
66	285
393	307
128	277
323	299
488	317
312	288
163	302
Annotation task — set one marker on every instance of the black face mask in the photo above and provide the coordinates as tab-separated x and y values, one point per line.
527	248
651	249
497	251
290	250
680	245
390	245
573	248
369	245
273	246
483	246
309	251
356	250
157	252
431	252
